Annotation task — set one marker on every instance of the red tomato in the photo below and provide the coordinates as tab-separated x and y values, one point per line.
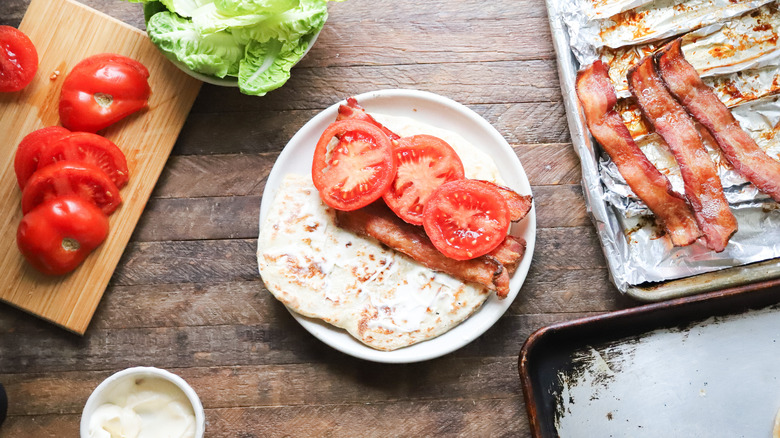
18	59
89	148
466	219
71	178
58	235
353	164
424	163
101	90
28	153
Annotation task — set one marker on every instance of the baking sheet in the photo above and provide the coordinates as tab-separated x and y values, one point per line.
628	263
694	366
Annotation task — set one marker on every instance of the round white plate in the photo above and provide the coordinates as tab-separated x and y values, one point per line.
443	113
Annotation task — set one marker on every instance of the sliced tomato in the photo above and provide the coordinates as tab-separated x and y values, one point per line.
59	234
18	59
28	153
353	111
101	90
353	164
70	178
424	163
89	148
466	219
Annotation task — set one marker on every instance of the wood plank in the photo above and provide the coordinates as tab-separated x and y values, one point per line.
265	131
287	385
498	82
496	417
279	342
146	139
245	174
187	304
219	261
236	217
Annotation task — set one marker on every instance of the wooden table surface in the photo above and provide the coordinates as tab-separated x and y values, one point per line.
187	296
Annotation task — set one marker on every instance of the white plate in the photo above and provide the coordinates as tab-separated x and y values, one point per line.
443	113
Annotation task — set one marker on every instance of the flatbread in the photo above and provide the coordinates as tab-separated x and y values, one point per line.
382	298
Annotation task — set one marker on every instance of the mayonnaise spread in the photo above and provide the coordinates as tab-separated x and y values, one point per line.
143	407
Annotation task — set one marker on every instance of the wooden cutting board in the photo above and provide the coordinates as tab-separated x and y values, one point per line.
65	32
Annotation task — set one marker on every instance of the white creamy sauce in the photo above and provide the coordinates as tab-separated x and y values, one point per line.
412	300
147	407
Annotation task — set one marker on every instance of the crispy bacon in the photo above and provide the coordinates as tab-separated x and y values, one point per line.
379	222
702	184
519	205
353	111
598	99
738	147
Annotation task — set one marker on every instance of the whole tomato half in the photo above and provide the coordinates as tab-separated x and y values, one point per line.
101	90
59	234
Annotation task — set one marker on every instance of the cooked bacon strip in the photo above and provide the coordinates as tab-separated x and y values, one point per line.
702	184
509	253
354	111
701	102
379	222
519	205
598	99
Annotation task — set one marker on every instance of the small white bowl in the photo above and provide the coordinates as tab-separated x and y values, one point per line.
99	395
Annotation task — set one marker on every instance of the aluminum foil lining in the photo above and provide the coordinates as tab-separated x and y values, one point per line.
595	9
653	21
636	250
749	41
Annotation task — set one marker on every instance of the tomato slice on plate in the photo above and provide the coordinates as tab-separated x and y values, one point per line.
424	163
89	148
71	178
18	59
28	153
466	219
353	164
101	90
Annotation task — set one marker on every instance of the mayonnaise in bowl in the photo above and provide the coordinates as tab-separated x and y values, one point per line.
143	402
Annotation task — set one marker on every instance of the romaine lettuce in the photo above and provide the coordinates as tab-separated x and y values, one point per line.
256	41
217	54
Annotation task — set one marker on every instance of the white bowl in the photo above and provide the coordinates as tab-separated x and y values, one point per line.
100	394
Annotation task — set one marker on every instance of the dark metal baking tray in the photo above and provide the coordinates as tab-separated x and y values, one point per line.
704	365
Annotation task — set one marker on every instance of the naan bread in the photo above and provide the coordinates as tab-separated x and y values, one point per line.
382	298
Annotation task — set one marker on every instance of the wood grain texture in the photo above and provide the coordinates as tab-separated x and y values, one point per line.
146	138
186	295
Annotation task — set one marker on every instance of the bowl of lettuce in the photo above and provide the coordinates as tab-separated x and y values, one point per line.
249	44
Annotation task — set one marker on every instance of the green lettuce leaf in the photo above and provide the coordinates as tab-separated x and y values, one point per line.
209	19
258	41
217	54
267	65
289	26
